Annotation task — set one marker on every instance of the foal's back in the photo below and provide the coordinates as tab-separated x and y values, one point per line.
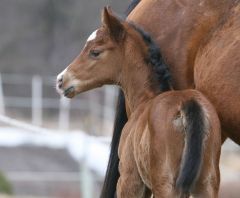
185	145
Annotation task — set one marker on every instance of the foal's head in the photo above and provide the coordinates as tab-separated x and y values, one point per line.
107	56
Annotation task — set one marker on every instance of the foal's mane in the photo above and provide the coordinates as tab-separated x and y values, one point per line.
160	72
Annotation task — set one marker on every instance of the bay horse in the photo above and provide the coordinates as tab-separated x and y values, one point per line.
200	42
171	142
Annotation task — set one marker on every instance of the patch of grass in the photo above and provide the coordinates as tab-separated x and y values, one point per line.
5	186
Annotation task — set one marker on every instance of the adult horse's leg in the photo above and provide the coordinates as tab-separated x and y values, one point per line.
112	174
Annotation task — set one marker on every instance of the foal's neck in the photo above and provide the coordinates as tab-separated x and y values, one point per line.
137	86
144	72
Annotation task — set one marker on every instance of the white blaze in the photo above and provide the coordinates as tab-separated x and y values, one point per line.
92	36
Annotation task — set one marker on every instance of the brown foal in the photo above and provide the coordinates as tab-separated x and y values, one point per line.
171	142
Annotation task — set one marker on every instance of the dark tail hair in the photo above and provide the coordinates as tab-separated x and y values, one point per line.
195	125
112	174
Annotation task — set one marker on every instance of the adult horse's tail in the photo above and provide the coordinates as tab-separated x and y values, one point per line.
112	174
195	126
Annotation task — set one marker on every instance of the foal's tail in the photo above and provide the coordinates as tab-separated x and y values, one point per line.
195	125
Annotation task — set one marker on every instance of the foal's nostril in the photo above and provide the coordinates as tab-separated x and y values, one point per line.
60	79
60	85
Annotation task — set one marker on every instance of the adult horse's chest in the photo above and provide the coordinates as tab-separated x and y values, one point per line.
135	138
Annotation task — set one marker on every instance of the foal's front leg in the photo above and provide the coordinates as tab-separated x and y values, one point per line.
130	184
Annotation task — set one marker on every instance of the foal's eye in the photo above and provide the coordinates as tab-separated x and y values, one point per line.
95	53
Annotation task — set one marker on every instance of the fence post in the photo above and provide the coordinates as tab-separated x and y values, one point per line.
37	100
2	104
108	111
86	180
64	114
94	112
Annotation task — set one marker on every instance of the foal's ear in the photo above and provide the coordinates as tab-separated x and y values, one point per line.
113	24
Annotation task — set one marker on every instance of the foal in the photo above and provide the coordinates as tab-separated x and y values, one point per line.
171	142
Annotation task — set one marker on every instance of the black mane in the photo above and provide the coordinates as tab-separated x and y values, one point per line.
132	5
161	75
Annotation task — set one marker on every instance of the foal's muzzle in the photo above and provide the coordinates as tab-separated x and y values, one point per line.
63	85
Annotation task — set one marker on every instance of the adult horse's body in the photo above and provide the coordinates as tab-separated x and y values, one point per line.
199	40
171	142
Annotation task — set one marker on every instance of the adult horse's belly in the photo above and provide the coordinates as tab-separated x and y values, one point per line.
217	73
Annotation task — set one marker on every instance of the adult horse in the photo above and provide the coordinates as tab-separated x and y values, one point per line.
199	40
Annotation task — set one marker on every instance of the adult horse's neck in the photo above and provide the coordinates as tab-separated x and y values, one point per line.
180	27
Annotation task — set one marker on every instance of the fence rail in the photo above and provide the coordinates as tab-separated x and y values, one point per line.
38	103
2	105
84	176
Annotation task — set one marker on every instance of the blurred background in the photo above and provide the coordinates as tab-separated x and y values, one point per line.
51	147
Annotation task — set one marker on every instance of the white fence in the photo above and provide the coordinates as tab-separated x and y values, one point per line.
37	102
50	138
2	105
103	111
